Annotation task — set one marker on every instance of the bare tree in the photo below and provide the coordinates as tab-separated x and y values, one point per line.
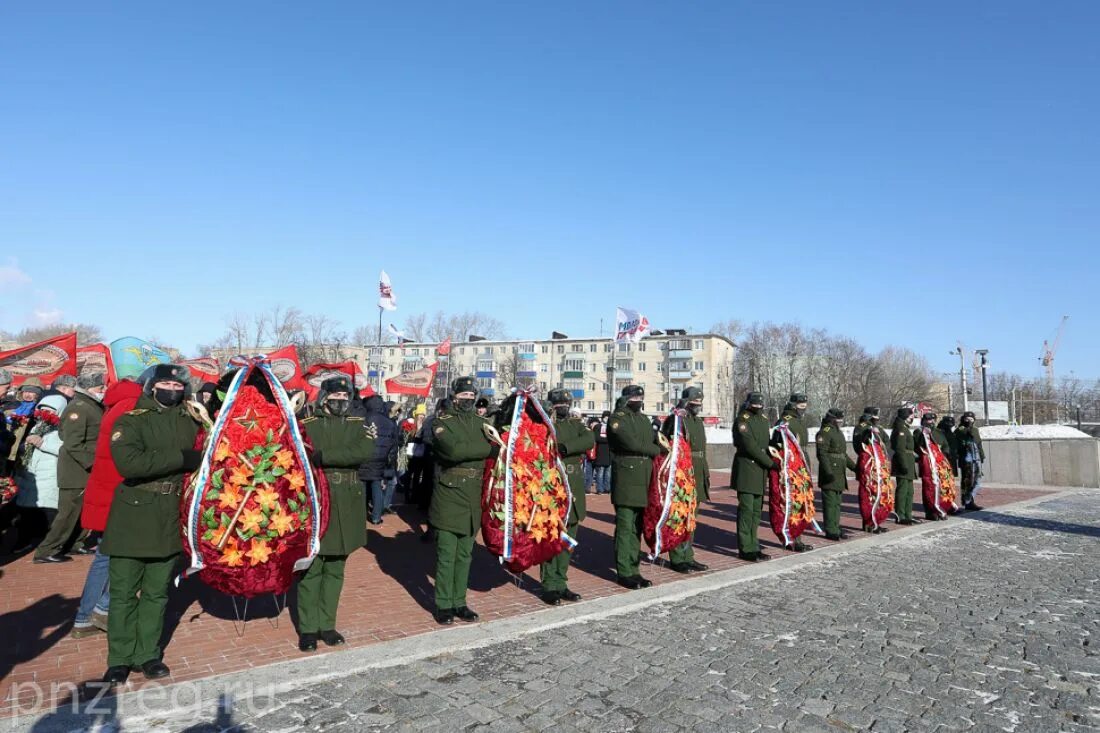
86	333
457	327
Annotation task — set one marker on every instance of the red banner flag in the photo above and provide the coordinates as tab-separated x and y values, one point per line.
44	359
350	369
205	368
417	382
287	367
444	349
96	359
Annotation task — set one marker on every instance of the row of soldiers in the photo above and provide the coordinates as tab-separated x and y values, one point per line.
152	447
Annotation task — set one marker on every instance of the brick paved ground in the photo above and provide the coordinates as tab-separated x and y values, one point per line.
388	595
981	625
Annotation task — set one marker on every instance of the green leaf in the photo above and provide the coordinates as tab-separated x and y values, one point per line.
302	496
224	520
278	471
208	514
292	504
270	435
213	494
211	523
208	535
303	515
272	533
216	480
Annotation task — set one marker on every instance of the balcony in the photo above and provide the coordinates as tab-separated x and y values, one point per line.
624	375
527	374
573	375
487	374
679	375
679	354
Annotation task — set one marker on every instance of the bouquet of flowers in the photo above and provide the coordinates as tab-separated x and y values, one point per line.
8	489
938	486
42	423
876	485
790	489
525	500
254	511
669	517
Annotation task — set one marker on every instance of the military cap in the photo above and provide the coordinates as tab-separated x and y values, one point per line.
928	417
905	412
560	397
754	398
91	379
798	398
633	390
691	393
336	384
32	385
948	420
482	402
64	380
210	387
873	411
969	414
463	384
169	373
835	413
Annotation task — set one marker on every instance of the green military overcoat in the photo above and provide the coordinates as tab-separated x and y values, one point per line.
901	442
574	440
343	445
460	448
752	460
79	430
633	444
147	445
832	458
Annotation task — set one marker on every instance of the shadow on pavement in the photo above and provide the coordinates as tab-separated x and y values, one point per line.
1048	525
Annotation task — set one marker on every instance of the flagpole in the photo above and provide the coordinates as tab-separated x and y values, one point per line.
378	366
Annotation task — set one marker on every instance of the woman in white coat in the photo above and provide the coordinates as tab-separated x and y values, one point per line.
37	476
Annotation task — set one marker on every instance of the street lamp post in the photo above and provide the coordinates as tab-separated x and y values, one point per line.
985	381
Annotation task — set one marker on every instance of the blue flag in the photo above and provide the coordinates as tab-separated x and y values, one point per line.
132	356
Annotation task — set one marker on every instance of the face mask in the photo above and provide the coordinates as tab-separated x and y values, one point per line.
755	409
694	409
464	405
561	411
800	411
339	408
167	397
634	406
97	396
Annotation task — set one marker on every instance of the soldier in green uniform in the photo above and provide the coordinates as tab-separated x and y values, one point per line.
971	456
574	440
78	431
460	449
794	417
682	558
153	448
832	461
633	446
340	446
903	465
750	474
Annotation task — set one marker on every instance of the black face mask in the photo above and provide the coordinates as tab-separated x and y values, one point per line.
339	408
634	406
561	411
755	409
800	411
167	397
694	409
464	405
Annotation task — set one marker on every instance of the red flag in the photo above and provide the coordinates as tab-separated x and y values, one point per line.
287	367
96	359
444	348
44	359
205	368
320	372
417	382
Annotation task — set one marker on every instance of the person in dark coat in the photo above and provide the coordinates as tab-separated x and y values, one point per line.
601	466
379	472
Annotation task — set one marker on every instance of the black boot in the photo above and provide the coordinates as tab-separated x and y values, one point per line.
551	597
462	613
700	567
444	616
568	595
333	638
307	642
116	675
682	567
154	669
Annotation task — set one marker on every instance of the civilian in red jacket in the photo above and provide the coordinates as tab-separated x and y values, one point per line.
91	616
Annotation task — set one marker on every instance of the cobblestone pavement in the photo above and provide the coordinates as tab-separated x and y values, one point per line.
985	624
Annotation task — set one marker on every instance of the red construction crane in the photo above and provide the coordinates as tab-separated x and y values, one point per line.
1050	349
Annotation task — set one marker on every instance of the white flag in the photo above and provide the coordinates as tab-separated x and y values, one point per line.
386	298
630	326
399	335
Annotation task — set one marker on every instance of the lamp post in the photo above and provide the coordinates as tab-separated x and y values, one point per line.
962	374
985	381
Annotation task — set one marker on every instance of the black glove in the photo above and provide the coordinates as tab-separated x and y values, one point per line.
494	450
191	459
316	459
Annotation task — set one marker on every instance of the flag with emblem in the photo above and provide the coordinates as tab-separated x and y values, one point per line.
45	359
386	298
630	326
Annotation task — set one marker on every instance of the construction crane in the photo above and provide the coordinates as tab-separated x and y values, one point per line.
1050	349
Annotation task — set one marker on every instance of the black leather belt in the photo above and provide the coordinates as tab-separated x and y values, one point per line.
161	487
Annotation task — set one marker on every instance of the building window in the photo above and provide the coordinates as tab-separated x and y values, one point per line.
698	344
606	348
641	346
698	366
542	386
542	368
660	407
591	386
592	348
641	366
578	347
591	405
545	349
391	352
462	349
561	348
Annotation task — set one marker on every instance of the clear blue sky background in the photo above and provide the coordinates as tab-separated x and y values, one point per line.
909	173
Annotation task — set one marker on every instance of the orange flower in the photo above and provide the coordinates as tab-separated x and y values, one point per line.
546	500
297	480
284	459
218	534
267	498
232	555
522	515
250	520
259	552
222	451
241	475
538	534
282	522
230	498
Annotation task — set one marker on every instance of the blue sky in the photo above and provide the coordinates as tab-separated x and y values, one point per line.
911	173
